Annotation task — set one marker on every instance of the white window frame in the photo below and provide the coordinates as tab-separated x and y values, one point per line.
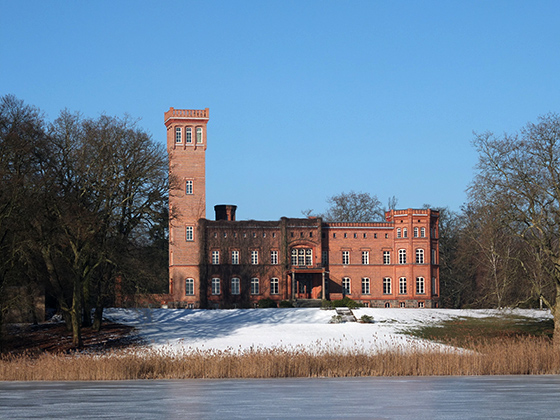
402	286
178	135
274	257
189	186
365	257
419	256
405	233
415	232
189	233
386	257
420	286
216	286
402	256
346	286
423	232
215	257
235	257
199	135
254	286
235	286
189	287
398	232
387	286
345	257
188	135
254	257
274	286
365	286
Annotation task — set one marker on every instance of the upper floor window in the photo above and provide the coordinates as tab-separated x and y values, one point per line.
254	257
189	287
415	232
189	186
235	286
345	257
386	286
325	257
189	233
215	286
402	256
302	256
188	135
365	286
420	285
215	257
198	135
402	285
405	233
399	233
423	232
178	138
365	257
273	257
434	256
235	257
346	285
386	257
419	256
254	286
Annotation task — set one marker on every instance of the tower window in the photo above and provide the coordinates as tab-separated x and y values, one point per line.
178	138
199	135
188	132
189	187
189	233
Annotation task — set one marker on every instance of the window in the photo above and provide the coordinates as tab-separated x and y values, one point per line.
405	233
188	187
215	286
419	256
345	257
189	287
189	233
235	286
434	290
365	286
387	304
365	257
386	286
273	257
325	257
422	232
198	135
398	232
420	285
188	135
402	285
302	256
402	304
386	236
420	304
215	257
345	286
274	286
386	257
402	256
434	255
415	232
254	257
254	286
178	135
235	257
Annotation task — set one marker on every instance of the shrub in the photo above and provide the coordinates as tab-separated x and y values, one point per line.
326	304
366	319
336	319
286	304
267	303
346	302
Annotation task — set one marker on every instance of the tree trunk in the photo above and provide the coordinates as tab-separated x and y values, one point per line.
98	316
76	313
556	315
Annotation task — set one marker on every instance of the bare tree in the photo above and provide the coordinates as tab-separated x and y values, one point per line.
352	207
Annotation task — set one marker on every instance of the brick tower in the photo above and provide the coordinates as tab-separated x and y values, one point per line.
186	145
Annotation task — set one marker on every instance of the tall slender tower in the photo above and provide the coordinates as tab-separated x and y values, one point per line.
186	145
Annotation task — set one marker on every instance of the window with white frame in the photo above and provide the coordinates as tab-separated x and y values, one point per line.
188	186
419	256
345	257
387	286
346	286
199	135
274	286
420	304
302	256
189	287
365	286
415	232
189	233
399	233
235	286
254	257
405	233
365	257
215	257
178	138
273	257
402	304
386	257
402	256
423	232
254	286
402	285
235	257
215	286
188	132
420	285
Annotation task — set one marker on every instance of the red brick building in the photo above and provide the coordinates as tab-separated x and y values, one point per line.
227	263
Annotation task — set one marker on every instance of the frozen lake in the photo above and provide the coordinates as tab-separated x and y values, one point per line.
496	397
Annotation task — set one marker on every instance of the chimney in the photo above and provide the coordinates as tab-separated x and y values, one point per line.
225	212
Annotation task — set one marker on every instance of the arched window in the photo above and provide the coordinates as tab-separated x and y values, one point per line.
405	233
365	286
402	286
416	232
189	287
422	232
419	256
387	286
420	285
402	256
398	232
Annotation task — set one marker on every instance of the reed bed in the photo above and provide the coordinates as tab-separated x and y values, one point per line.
518	356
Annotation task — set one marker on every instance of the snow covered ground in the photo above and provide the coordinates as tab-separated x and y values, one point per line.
178	330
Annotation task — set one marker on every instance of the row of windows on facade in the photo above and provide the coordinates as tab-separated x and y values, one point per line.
187	135
304	257
235	286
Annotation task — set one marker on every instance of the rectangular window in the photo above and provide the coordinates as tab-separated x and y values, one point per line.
419	256
365	286
254	286
422	232
178	135
188	187
346	285
416	232
302	256
420	304
189	287
386	286
235	257
402	285
365	257
189	135
189	233
386	257
405	233
215	286
398	232
420	285
274	257
254	257
215	257
434	255
198	135
235	287
325	257
434	290
345	257
274	286
402	256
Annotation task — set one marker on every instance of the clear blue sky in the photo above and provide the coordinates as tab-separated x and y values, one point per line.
307	98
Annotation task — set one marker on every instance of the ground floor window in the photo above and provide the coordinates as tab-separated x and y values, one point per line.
420	285
215	286
189	287
386	286
402	285
254	286
346	286
387	304
235	286
274	286
420	304
365	286
402	305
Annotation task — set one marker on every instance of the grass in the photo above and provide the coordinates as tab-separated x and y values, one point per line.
506	345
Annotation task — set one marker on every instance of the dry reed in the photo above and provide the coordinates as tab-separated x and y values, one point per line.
519	356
